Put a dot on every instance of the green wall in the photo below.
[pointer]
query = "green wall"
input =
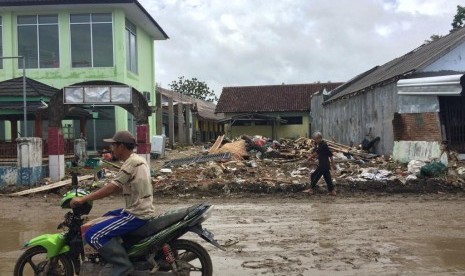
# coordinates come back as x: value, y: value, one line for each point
x: 65, y: 75
x: 283, y: 131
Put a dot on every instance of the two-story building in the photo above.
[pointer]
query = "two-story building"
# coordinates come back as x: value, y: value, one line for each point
x: 93, y: 50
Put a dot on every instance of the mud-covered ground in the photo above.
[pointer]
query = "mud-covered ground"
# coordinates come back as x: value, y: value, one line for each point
x: 299, y: 235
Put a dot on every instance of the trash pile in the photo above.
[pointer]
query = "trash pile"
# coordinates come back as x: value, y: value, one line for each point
x: 261, y: 164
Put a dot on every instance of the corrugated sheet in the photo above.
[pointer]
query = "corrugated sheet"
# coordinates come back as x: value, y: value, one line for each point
x: 349, y: 120
x: 398, y: 67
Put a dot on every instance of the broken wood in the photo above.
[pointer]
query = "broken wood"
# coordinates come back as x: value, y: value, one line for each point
x: 217, y: 144
x: 50, y: 186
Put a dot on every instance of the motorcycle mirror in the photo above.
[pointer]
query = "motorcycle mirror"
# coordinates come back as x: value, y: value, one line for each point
x: 74, y: 178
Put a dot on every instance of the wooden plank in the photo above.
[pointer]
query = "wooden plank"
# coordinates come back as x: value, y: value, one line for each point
x: 50, y: 186
x: 217, y: 144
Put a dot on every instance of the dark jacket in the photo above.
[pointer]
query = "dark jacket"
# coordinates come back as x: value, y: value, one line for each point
x: 324, y: 153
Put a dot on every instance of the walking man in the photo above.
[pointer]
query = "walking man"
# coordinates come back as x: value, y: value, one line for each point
x: 324, y: 155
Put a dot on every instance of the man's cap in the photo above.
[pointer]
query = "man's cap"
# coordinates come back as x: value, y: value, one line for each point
x: 123, y: 136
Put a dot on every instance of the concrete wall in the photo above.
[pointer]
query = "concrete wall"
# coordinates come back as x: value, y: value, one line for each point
x: 454, y: 61
x: 349, y: 120
x: 12, y: 175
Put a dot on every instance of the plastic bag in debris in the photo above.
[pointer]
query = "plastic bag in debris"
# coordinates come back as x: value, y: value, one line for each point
x: 415, y: 166
x: 433, y: 169
x: 340, y: 156
x: 375, y: 174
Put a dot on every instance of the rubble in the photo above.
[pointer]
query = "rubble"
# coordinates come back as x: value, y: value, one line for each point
x: 262, y: 165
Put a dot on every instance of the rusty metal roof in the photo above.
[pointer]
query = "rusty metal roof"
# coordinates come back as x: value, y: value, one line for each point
x: 400, y: 67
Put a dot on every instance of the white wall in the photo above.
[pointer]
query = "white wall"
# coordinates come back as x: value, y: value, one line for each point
x: 454, y: 61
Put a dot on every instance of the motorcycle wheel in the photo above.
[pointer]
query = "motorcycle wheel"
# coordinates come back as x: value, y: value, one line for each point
x: 34, y: 260
x: 193, y: 258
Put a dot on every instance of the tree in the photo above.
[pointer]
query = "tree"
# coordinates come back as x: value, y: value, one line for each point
x: 194, y: 88
x: 457, y: 22
x: 433, y: 38
x: 459, y: 18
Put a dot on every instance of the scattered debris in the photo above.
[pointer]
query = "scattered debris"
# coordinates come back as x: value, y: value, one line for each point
x: 166, y: 170
x: 259, y: 164
x: 198, y: 159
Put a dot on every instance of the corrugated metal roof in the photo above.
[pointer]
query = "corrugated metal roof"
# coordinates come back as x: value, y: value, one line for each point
x: 270, y: 98
x: 397, y: 68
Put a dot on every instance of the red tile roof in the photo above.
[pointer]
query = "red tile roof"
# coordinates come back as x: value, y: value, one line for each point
x: 270, y: 98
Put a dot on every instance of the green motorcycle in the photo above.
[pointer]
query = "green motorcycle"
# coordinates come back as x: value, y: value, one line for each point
x: 155, y: 249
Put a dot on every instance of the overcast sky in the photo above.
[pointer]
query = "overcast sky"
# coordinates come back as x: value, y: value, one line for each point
x: 256, y: 42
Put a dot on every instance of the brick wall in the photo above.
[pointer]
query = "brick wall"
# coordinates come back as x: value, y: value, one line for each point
x: 417, y: 127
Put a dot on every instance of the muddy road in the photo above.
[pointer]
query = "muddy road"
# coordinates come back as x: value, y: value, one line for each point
x: 357, y: 235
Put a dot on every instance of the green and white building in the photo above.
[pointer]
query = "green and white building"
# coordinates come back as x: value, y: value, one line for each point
x: 85, y: 44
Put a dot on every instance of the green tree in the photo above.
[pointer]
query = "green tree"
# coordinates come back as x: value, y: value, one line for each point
x: 194, y: 88
x: 457, y: 22
x: 459, y: 18
x: 433, y: 38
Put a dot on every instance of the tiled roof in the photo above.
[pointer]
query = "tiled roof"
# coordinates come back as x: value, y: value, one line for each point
x: 14, y: 88
x: 397, y: 68
x: 205, y: 109
x: 270, y: 98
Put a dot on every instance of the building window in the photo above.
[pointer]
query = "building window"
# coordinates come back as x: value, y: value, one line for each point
x: 241, y: 123
x: 38, y: 41
x: 131, y: 47
x: 91, y: 40
x: 292, y: 120
x: 1, y: 42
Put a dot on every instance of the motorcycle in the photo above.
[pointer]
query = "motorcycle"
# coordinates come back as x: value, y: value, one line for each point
x: 155, y: 249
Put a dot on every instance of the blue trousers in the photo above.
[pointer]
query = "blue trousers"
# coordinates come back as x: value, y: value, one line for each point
x: 99, y: 234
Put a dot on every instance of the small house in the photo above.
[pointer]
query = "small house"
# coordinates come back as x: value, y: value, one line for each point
x: 274, y: 111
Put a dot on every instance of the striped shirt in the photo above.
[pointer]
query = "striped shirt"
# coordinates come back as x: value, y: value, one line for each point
x: 134, y: 179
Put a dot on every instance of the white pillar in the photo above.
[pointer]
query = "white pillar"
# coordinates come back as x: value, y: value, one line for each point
x: 56, y: 165
x: 30, y: 160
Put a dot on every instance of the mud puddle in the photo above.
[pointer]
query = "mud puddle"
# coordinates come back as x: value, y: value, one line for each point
x: 393, y: 235
x: 13, y: 234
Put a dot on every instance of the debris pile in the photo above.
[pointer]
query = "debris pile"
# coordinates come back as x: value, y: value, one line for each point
x: 264, y: 165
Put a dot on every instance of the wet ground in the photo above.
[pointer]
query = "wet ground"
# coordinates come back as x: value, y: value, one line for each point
x: 356, y: 235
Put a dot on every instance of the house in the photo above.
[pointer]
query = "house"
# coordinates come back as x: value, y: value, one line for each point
x: 276, y: 111
x: 414, y: 102
x: 89, y: 67
x: 203, y: 125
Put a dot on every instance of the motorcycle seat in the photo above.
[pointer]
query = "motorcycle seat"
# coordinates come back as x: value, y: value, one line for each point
x: 159, y: 223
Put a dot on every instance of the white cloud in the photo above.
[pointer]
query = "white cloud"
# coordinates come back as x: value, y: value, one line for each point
x: 253, y: 42
x: 384, y: 30
x: 431, y: 7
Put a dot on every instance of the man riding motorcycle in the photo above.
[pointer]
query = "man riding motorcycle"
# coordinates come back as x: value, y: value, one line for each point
x: 133, y: 179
